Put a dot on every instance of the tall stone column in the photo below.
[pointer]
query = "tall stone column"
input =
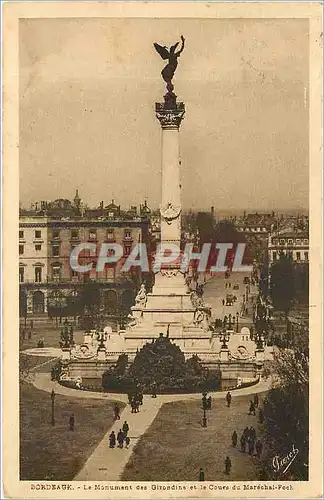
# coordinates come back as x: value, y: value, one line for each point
x: 170, y: 116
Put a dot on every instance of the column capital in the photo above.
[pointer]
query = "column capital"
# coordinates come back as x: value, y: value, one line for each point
x: 170, y: 117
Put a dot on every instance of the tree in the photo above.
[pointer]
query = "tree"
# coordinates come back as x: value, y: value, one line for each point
x: 282, y: 283
x: 90, y: 302
x: 289, y: 399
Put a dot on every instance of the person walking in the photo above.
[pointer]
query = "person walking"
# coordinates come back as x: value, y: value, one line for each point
x: 127, y: 442
x: 228, y: 399
x: 256, y: 400
x: 117, y: 411
x: 234, y: 439
x: 251, y: 445
x: 72, y: 422
x: 261, y: 416
x: 201, y: 474
x: 112, y: 440
x: 252, y: 408
x: 223, y: 302
x: 125, y: 428
x: 120, y: 438
x: 258, y: 448
x: 228, y: 465
x: 243, y: 443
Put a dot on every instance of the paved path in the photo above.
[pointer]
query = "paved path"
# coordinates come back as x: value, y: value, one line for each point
x: 106, y: 464
x: 43, y: 382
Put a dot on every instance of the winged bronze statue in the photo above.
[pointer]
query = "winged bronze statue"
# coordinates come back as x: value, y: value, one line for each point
x: 170, y: 54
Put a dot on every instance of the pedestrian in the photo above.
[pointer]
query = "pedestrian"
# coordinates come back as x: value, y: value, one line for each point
x: 258, y: 448
x: 229, y: 285
x: 228, y: 399
x: 234, y: 439
x: 154, y: 390
x: 226, y: 285
x: 228, y: 465
x: 253, y: 433
x: 251, y: 445
x: 261, y: 416
x: 23, y: 334
x: 140, y: 398
x: 29, y: 334
x: 246, y: 432
x: 72, y: 422
x: 125, y: 428
x: 31, y: 324
x: 120, y: 438
x: 252, y: 408
x: 112, y: 440
x: 133, y: 406
x: 243, y: 443
x: 127, y: 442
x: 256, y: 400
x: 117, y: 411
x: 201, y: 474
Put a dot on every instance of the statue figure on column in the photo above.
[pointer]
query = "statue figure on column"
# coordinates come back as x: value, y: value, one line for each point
x: 169, y: 70
x: 140, y: 299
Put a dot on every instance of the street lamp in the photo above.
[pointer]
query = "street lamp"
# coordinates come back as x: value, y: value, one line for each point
x: 237, y: 322
x: 53, y: 401
x: 204, y: 407
x: 224, y: 338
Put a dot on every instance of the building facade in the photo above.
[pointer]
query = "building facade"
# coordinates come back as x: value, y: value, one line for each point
x: 292, y: 243
x: 47, y: 235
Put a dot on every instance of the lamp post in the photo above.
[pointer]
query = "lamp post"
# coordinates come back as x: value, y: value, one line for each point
x: 204, y: 405
x: 53, y: 401
x: 237, y: 322
x: 224, y: 338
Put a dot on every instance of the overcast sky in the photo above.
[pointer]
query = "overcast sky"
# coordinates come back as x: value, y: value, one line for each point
x: 88, y: 88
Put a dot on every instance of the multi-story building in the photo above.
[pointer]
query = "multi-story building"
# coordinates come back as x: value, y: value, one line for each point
x: 259, y: 224
x: 293, y: 243
x: 47, y: 235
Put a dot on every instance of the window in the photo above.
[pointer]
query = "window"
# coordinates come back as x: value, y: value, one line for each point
x: 290, y: 242
x: 92, y: 234
x: 74, y: 233
x: 21, y: 274
x: 297, y: 242
x: 290, y: 254
x: 74, y: 273
x: 306, y: 241
x: 274, y: 241
x: 127, y: 250
x: 38, y: 234
x: 56, y: 233
x: 21, y: 249
x: 127, y: 235
x: 298, y: 255
x: 21, y: 234
x: 306, y: 255
x: 38, y: 247
x: 282, y: 242
x: 110, y: 234
x: 55, y: 251
x: 56, y: 272
x: 38, y: 274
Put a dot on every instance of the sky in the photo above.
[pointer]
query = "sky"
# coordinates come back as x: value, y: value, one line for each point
x: 87, y: 93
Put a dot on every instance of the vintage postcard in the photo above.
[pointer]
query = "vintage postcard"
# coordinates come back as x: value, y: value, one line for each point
x: 162, y: 250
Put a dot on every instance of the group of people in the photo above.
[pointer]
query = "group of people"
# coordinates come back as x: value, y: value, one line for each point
x: 135, y: 400
x: 248, y: 442
x: 121, y: 438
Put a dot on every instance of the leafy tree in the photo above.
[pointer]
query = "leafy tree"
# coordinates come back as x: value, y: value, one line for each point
x: 121, y: 365
x: 90, y: 302
x: 285, y: 411
x: 282, y: 283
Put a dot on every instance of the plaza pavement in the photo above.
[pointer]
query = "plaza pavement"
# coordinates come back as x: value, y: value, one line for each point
x: 106, y: 464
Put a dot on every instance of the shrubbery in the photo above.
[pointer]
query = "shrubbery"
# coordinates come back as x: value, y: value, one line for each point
x: 160, y: 365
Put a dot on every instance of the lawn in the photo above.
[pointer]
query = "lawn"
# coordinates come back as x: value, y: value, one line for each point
x: 176, y: 445
x: 54, y: 452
